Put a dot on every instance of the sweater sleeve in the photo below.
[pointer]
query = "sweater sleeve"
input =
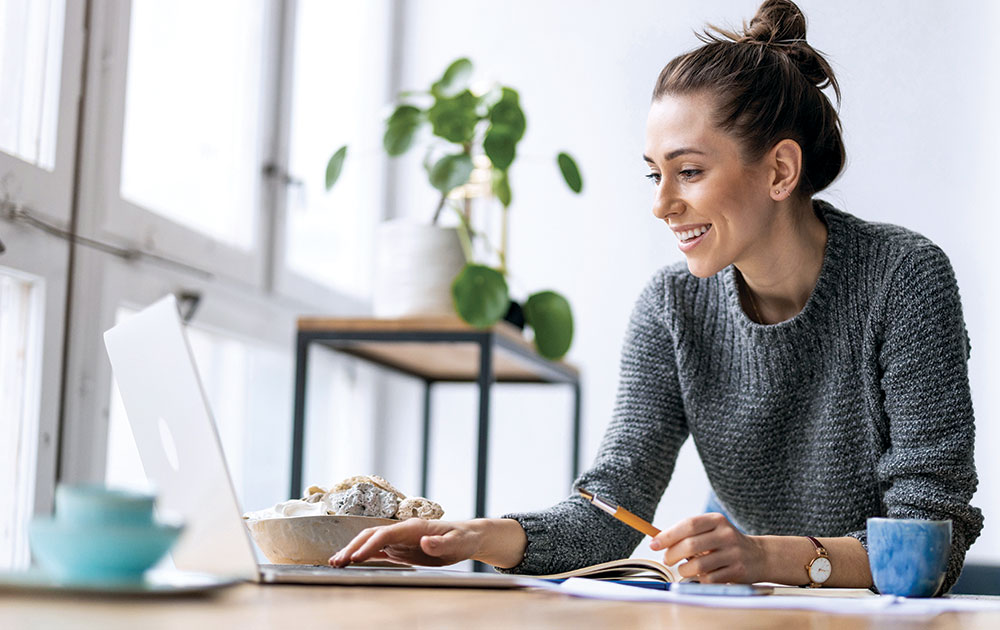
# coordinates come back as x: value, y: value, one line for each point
x: 926, y: 468
x: 635, y: 460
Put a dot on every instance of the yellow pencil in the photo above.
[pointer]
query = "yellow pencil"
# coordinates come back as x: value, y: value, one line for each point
x: 620, y: 513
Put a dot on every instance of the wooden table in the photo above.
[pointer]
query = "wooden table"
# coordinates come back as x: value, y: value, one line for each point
x: 433, y: 349
x: 249, y: 607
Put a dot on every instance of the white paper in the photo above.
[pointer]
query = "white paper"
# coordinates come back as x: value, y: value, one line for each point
x: 876, y: 604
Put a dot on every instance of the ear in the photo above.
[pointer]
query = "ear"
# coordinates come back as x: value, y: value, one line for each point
x: 785, y: 160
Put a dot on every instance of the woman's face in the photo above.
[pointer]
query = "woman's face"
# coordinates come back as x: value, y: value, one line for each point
x: 717, y: 206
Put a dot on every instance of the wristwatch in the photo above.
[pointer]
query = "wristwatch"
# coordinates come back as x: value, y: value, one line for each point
x: 819, y: 568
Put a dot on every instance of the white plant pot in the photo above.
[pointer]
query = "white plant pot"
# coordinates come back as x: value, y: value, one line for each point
x: 415, y: 265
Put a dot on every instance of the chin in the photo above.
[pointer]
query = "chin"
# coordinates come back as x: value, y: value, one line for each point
x: 702, y: 269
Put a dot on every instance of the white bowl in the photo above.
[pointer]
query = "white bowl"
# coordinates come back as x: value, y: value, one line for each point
x: 308, y: 539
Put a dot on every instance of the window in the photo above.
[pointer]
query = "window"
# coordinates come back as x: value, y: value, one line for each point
x: 31, y: 35
x: 184, y: 107
x: 337, y: 97
x: 191, y: 143
x: 20, y: 373
x: 40, y: 69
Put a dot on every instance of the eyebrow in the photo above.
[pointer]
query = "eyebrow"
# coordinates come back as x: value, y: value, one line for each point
x: 675, y: 154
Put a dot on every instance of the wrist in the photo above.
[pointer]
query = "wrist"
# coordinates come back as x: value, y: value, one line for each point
x: 766, y: 567
x: 500, y: 542
x: 785, y: 558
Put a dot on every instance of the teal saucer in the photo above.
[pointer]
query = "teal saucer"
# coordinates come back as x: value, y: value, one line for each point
x: 94, y: 553
x: 167, y: 583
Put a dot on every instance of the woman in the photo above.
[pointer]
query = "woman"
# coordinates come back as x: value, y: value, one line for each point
x: 817, y: 360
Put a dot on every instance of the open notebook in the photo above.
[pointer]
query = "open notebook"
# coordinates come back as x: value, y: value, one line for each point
x: 626, y: 569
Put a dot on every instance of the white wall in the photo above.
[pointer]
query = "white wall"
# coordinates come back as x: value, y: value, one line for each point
x: 918, y: 80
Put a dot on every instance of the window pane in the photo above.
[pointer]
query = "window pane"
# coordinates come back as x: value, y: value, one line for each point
x: 20, y: 372
x: 192, y: 114
x: 329, y: 235
x: 31, y: 34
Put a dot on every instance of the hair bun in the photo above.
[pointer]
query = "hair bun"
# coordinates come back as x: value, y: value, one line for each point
x: 781, y: 26
x: 777, y: 21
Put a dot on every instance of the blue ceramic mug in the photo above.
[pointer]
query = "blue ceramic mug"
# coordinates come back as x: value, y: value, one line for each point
x: 908, y: 557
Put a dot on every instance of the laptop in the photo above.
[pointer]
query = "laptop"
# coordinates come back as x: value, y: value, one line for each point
x: 182, y: 455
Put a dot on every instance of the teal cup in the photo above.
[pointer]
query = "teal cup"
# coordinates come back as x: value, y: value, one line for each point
x: 908, y: 557
x: 100, y: 534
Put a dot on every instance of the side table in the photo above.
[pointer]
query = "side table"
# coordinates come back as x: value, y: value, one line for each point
x: 434, y: 350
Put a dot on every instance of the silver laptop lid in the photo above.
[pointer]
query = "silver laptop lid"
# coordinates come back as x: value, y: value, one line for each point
x: 177, y: 440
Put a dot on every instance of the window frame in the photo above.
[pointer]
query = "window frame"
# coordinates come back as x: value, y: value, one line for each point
x: 252, y: 297
x: 48, y: 195
x: 130, y: 224
x: 284, y: 280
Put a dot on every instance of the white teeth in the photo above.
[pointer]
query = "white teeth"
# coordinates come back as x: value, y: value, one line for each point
x: 689, y: 234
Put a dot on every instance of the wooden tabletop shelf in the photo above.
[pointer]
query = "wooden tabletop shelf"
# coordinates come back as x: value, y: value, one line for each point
x: 444, y: 355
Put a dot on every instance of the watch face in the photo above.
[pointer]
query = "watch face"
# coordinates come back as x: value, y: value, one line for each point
x: 819, y: 570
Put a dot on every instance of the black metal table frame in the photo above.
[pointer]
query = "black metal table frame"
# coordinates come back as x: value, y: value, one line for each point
x: 487, y: 340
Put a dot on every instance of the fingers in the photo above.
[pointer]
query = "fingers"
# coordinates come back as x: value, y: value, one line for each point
x: 448, y: 546
x: 687, y: 528
x: 708, y: 564
x: 343, y: 557
x: 715, y: 550
x: 699, y: 545
x: 730, y: 570
x: 407, y: 533
x: 371, y: 541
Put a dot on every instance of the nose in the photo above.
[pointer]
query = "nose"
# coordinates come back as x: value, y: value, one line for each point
x: 665, y: 202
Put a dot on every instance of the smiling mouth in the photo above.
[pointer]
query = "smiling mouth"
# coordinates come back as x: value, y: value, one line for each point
x: 690, y: 235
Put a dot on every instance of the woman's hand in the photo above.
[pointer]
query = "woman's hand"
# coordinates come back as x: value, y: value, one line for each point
x: 413, y: 541
x: 714, y: 549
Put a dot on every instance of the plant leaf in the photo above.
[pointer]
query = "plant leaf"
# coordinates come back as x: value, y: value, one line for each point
x: 401, y: 128
x: 549, y: 315
x: 501, y: 186
x: 570, y: 172
x: 334, y: 166
x: 499, y: 146
x: 455, y: 79
x: 455, y: 118
x: 480, y: 295
x: 450, y: 172
x: 507, y: 113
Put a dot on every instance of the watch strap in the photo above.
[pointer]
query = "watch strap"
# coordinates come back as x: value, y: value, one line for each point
x: 820, y: 549
x: 821, y: 552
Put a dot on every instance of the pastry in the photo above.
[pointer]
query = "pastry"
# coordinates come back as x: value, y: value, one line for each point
x: 419, y: 507
x: 365, y: 499
x: 375, y: 480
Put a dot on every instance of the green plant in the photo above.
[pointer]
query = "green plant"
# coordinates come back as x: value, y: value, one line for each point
x: 475, y: 130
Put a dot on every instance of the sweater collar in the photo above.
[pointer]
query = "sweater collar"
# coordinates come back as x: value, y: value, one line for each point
x: 826, y: 283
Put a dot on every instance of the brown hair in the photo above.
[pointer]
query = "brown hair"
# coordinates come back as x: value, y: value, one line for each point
x: 766, y: 83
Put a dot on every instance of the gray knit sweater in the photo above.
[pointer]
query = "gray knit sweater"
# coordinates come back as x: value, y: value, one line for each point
x: 858, y: 406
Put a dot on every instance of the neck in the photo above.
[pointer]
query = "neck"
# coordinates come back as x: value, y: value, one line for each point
x: 781, y: 271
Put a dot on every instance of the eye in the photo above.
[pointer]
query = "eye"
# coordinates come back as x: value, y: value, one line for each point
x: 653, y: 177
x: 689, y: 173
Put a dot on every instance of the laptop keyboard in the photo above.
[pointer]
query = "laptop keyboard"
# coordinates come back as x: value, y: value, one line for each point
x: 323, y: 569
